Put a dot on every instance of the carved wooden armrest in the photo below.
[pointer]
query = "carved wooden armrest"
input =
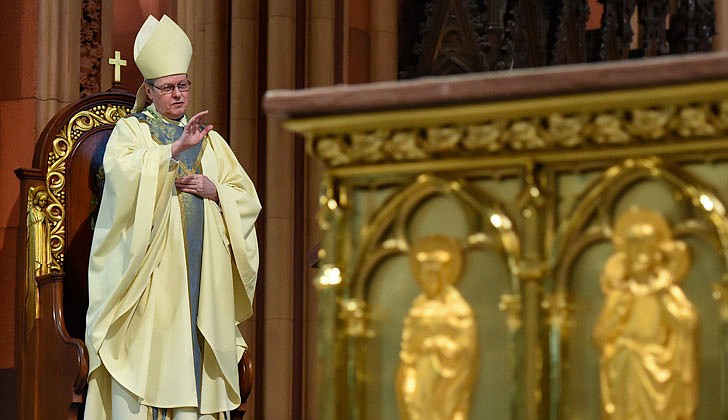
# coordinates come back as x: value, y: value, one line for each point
x: 246, y: 375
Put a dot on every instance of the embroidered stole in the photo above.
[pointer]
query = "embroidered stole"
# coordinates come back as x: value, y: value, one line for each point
x: 192, y: 213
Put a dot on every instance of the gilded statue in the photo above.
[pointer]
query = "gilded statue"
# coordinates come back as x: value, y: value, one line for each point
x: 646, y: 331
x: 437, y: 359
x: 39, y: 252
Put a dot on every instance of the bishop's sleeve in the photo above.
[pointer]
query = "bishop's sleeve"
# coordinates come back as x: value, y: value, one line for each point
x: 229, y: 274
x: 240, y: 208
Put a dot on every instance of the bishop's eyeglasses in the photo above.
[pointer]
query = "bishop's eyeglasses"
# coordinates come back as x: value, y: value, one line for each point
x: 182, y: 86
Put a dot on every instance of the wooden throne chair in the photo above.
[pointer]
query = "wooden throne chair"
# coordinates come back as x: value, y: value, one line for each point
x: 59, y: 198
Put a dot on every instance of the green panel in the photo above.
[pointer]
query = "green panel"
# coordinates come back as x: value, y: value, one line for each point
x: 705, y: 270
x: 439, y: 215
x: 364, y: 205
x: 392, y: 290
x: 653, y: 195
x: 570, y: 187
x: 581, y: 358
x: 714, y: 176
x: 485, y: 279
x: 504, y: 190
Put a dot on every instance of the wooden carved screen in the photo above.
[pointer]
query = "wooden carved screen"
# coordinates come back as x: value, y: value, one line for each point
x: 463, y: 36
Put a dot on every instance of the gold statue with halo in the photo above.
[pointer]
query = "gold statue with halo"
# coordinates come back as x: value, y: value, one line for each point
x: 38, y: 252
x: 646, y: 331
x: 437, y: 359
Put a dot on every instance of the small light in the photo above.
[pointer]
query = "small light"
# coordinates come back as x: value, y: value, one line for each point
x: 332, y: 204
x: 499, y: 221
x: 496, y: 220
x: 706, y: 202
x: 410, y: 384
x: 331, y: 276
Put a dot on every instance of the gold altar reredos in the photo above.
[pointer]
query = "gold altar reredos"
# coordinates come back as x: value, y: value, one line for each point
x: 531, y: 189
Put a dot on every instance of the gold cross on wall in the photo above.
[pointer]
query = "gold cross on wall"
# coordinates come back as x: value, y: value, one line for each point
x: 117, y: 62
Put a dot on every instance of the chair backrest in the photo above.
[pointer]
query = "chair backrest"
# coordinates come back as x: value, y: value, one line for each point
x: 70, y: 154
x: 53, y: 260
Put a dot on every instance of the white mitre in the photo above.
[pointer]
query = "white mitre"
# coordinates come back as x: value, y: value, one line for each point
x: 161, y: 48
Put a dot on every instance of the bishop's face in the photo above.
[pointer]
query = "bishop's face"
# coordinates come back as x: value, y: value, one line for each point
x: 172, y: 105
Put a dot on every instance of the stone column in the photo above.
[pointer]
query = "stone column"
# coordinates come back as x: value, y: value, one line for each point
x: 189, y: 19
x: 383, y: 32
x: 244, y: 83
x: 321, y: 66
x: 320, y: 43
x: 206, y: 24
x: 720, y: 41
x: 243, y: 118
x: 213, y: 64
x: 279, y: 216
x: 59, y: 32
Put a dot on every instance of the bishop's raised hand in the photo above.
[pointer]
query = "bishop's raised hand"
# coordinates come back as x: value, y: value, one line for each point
x: 193, y: 133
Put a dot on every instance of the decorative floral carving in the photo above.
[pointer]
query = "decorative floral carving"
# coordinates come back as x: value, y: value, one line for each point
x: 607, y: 128
x: 555, y: 131
x: 404, y: 145
x: 443, y: 139
x: 525, y: 134
x: 650, y: 124
x: 63, y: 144
x: 332, y: 150
x: 367, y: 147
x: 484, y: 136
x: 695, y: 121
x: 722, y: 115
x: 567, y: 130
x: 91, y: 49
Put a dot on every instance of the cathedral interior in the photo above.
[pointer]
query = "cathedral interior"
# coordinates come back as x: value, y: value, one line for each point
x: 501, y: 209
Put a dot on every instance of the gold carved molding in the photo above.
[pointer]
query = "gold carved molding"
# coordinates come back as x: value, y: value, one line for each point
x: 62, y: 146
x: 552, y: 132
x: 569, y: 123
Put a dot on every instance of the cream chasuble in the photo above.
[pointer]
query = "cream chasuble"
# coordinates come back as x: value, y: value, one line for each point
x: 138, y: 331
